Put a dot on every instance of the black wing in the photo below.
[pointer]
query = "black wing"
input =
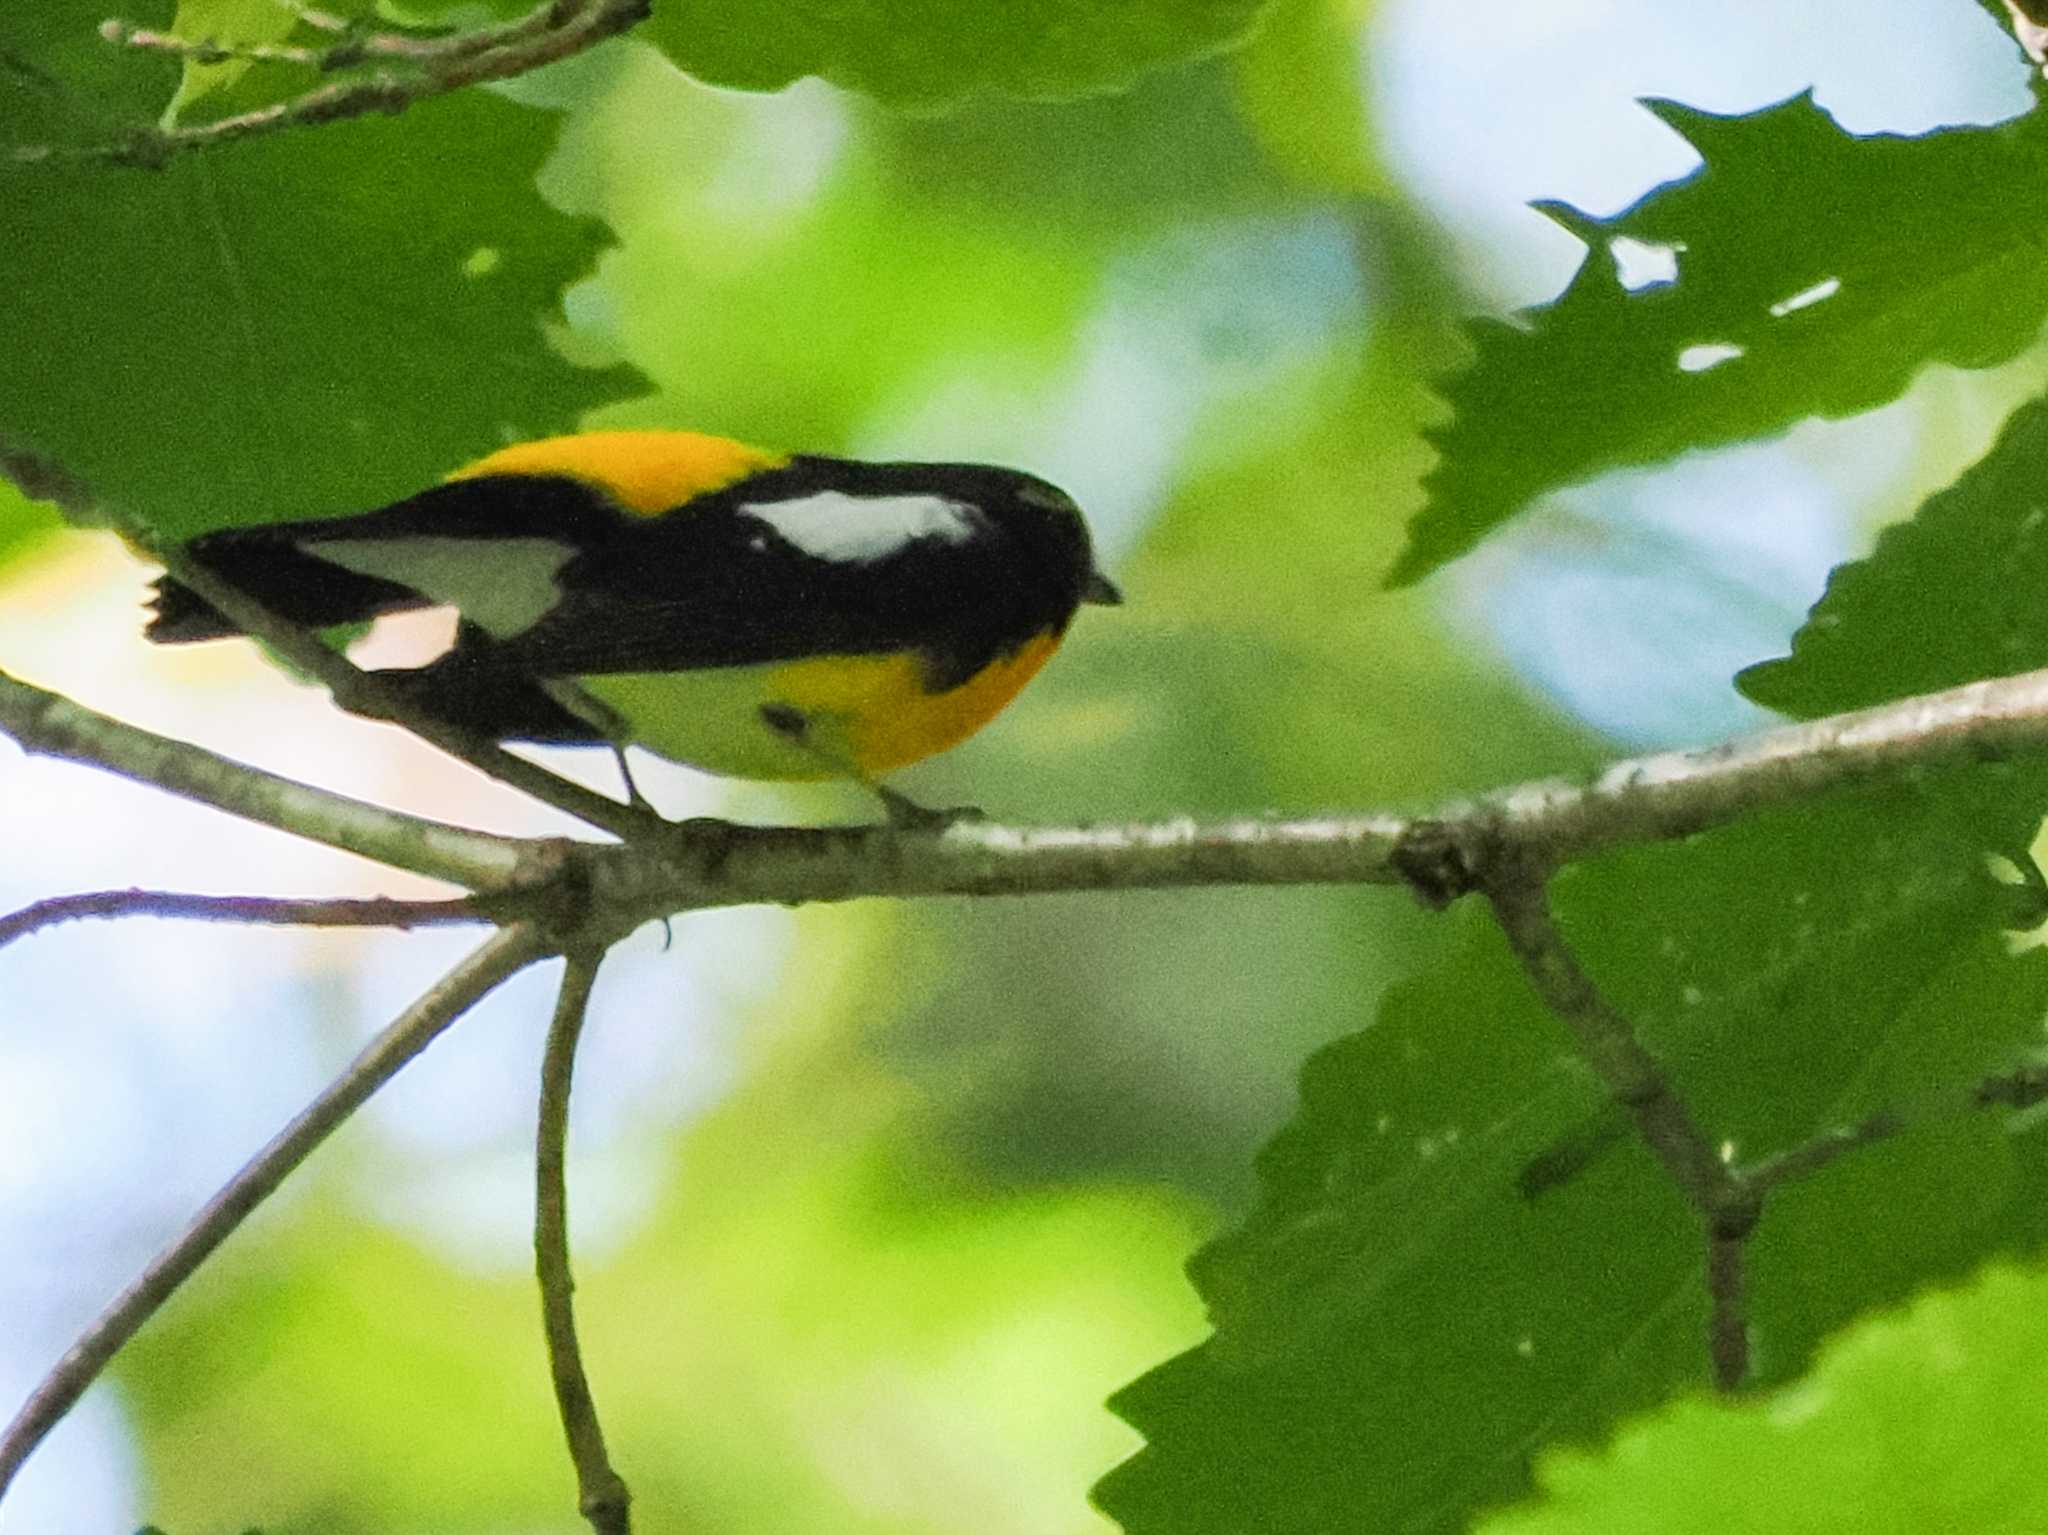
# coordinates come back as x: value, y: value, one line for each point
x: 273, y: 565
x: 720, y: 587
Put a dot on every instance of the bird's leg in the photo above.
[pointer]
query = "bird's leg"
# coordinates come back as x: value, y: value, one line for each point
x: 605, y: 720
x: 905, y: 813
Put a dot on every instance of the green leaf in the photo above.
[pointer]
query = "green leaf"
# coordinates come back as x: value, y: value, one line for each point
x: 1300, y: 90
x: 932, y: 53
x: 1397, y: 1327
x: 23, y: 523
x: 1929, y: 1419
x: 1823, y: 271
x: 311, y: 321
x: 1951, y: 596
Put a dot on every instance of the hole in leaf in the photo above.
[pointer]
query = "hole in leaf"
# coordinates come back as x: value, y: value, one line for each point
x: 1826, y: 288
x: 1639, y: 264
x: 1708, y: 354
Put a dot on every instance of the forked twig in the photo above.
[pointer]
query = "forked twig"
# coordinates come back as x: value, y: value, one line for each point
x: 1727, y: 1206
x: 417, y: 1027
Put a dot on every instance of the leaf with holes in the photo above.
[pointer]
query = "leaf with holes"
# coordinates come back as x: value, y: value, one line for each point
x: 1818, y: 272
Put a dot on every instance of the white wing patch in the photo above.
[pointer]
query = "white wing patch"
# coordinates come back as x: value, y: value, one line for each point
x: 831, y: 525
x: 502, y: 585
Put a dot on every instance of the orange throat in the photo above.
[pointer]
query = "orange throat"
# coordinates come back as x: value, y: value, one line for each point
x: 920, y: 724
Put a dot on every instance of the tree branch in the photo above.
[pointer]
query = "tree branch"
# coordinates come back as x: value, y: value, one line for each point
x: 414, y: 1029
x: 601, y: 1493
x: 1442, y: 854
x: 1609, y: 1044
x: 254, y: 910
x: 51, y: 725
x: 553, y: 31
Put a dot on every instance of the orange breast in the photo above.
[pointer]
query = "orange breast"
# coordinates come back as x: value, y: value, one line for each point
x: 881, y: 709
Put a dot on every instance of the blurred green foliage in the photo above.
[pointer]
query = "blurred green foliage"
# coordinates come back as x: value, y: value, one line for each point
x: 23, y: 523
x: 930, y: 53
x: 894, y: 1271
x: 1927, y: 1418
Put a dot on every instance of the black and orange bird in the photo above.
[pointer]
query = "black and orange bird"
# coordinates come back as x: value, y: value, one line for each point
x: 756, y: 614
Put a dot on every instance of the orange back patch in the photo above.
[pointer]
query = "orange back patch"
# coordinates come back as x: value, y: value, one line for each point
x: 645, y: 472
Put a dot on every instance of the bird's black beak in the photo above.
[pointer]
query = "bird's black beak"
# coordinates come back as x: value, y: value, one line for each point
x: 1101, y: 590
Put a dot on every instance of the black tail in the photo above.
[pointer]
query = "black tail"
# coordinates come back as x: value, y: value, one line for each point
x: 283, y: 577
x: 178, y: 614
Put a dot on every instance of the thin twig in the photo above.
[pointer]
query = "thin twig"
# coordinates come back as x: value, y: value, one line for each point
x: 2020, y: 1088
x: 551, y: 17
x: 357, y: 45
x: 253, y: 910
x: 418, y: 1026
x: 1829, y: 1146
x: 552, y: 32
x: 54, y: 726
x: 206, y: 50
x: 43, y: 479
x: 318, y: 20
x: 1728, y: 1307
x: 1727, y: 1209
x: 1609, y: 1044
x: 601, y: 1493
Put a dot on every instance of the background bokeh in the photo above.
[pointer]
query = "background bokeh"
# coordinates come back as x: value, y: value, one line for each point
x: 874, y: 1205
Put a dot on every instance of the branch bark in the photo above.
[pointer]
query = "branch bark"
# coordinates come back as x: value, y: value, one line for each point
x: 253, y: 910
x: 667, y: 869
x: 1441, y: 855
x: 54, y: 726
x: 553, y: 31
x: 601, y: 1492
x: 584, y: 896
